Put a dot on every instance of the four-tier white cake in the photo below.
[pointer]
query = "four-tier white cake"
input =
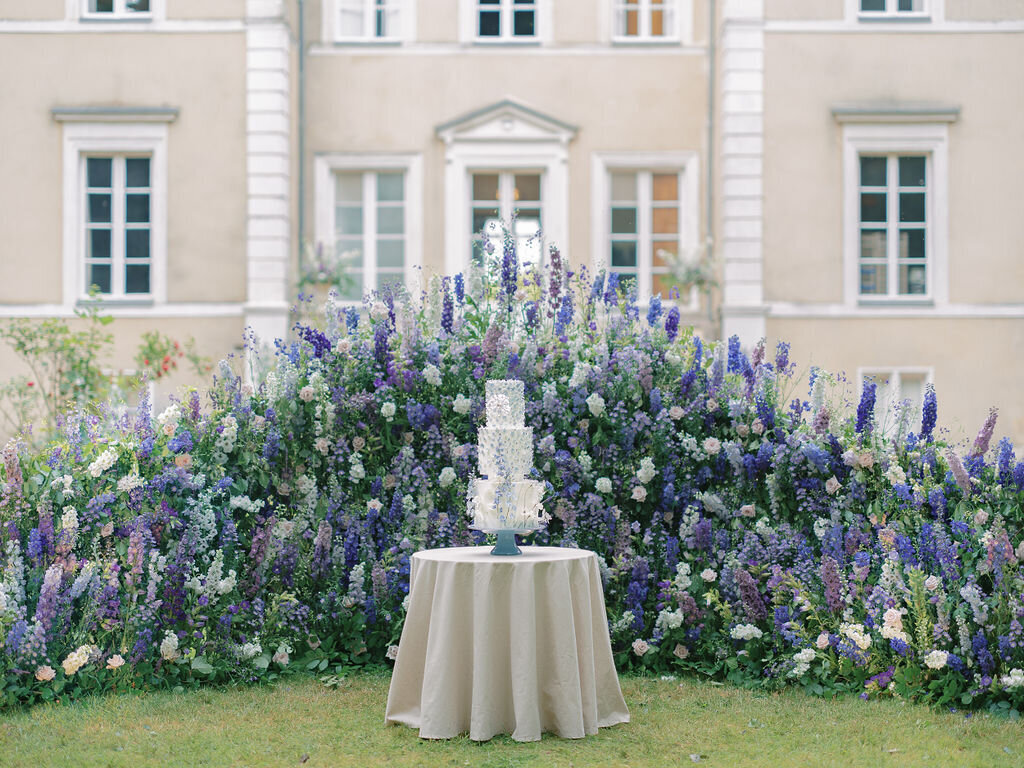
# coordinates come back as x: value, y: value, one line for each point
x: 502, y: 498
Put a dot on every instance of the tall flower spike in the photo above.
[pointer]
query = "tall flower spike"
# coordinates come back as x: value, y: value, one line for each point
x: 959, y: 473
x: 866, y: 408
x: 929, y: 413
x: 984, y: 434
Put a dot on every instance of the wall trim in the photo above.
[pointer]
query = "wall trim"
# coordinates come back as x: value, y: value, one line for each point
x: 147, y: 311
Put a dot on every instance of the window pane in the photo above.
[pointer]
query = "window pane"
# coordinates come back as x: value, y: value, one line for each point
x: 490, y: 24
x: 631, y: 22
x: 137, y: 208
x: 913, y: 279
x: 872, y: 279
x: 912, y: 171
x: 623, y: 187
x: 911, y: 206
x: 657, y: 22
x: 872, y: 5
x: 136, y: 244
x: 99, y: 244
x: 527, y: 187
x: 388, y: 278
x: 872, y: 206
x: 390, y: 221
x: 909, y: 5
x: 665, y: 186
x: 101, y: 6
x: 349, y: 188
x: 352, y: 288
x: 137, y: 172
x: 623, y: 220
x: 522, y: 23
x: 99, y: 208
x: 872, y: 171
x: 872, y: 244
x: 391, y: 253
x: 912, y: 389
x: 390, y: 186
x: 624, y: 254
x: 663, y: 251
x: 99, y: 275
x: 485, y: 186
x: 665, y: 284
x: 665, y: 220
x: 349, y: 220
x: 349, y: 252
x: 481, y: 216
x: 139, y: 6
x: 528, y: 222
x: 136, y: 278
x: 912, y: 244
x: 350, y: 21
x: 98, y: 171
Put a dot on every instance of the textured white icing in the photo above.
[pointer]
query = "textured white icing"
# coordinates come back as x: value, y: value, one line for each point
x: 501, y: 505
x: 505, y: 451
x: 505, y: 404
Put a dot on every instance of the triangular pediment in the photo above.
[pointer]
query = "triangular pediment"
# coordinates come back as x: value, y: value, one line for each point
x: 507, y: 120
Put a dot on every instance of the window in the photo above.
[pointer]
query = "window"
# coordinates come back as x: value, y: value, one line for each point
x: 645, y: 19
x: 118, y: 225
x: 645, y: 232
x: 368, y: 20
x: 506, y: 19
x: 368, y: 220
x: 115, y: 202
x: 509, y: 200
x: 895, y: 212
x: 116, y: 9
x: 893, y: 387
x: 893, y: 8
x: 893, y: 225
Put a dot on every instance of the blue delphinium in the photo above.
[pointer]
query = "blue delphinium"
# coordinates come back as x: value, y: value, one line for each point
x: 866, y: 408
x: 460, y: 288
x: 672, y: 324
x: 654, y: 310
x: 929, y: 413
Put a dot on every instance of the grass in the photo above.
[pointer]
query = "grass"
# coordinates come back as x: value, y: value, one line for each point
x: 303, y: 723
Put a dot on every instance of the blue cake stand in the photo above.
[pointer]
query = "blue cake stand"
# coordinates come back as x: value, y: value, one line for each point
x: 506, y: 539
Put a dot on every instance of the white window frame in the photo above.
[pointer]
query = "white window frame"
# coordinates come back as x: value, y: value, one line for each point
x: 679, y: 30
x: 931, y: 140
x: 120, y: 13
x: 894, y: 375
x: 83, y: 139
x: 405, y: 22
x: 932, y: 11
x: 507, y: 204
x: 324, y: 169
x: 469, y: 29
x: 686, y: 164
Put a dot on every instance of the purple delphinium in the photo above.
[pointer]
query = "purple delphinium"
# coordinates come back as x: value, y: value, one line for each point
x: 460, y: 288
x: 734, y: 364
x: 866, y: 408
x: 672, y: 324
x: 447, y: 307
x: 959, y: 473
x: 654, y: 310
x: 750, y: 596
x: 509, y: 267
x: 1004, y: 461
x: 611, y: 289
x: 929, y: 413
x: 832, y: 581
x: 565, y: 313
x: 984, y: 437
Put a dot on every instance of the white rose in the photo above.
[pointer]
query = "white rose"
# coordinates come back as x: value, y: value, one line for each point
x: 344, y: 346
x: 757, y: 426
x: 447, y: 477
x: 932, y: 583
x: 742, y: 430
x: 675, y: 413
x: 708, y: 575
x: 822, y: 641
x: 832, y: 485
x: 603, y: 485
x: 321, y: 445
x: 712, y: 445
x: 306, y: 394
x: 640, y: 647
x: 639, y: 493
x: 936, y: 659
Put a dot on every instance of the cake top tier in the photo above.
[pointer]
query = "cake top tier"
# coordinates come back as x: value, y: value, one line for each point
x: 505, y: 405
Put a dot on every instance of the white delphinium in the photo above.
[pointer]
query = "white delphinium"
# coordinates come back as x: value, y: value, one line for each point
x: 580, y: 372
x: 596, y: 404
x: 129, y: 483
x: 249, y: 650
x: 668, y: 620
x: 822, y: 525
x: 225, y: 442
x: 12, y: 586
x: 745, y: 632
x: 895, y: 475
x: 307, y: 490
x: 169, y: 646
x: 682, y: 580
x: 647, y: 471
x: 356, y: 595
x: 83, y: 581
x: 461, y: 404
x: 103, y: 462
x: 378, y: 310
x: 936, y: 659
x: 586, y: 463
x: 432, y: 375
x: 69, y: 520
x: 252, y: 506
x: 857, y: 634
x: 803, y: 661
x: 356, y: 471
x: 623, y: 623
x: 447, y: 477
x: 388, y: 411
x: 1013, y: 680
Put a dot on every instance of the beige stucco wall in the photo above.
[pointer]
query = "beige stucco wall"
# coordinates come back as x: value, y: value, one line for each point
x: 968, y: 356
x: 621, y: 102
x: 806, y: 74
x: 203, y: 76
x: 984, y: 10
x: 803, y: 10
x: 36, y: 10
x: 205, y: 9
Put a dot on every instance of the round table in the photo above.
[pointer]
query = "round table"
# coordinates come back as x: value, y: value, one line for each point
x: 513, y: 645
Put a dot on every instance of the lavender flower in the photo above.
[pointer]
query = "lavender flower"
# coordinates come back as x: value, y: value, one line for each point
x: 959, y: 473
x: 984, y: 435
x: 751, y: 598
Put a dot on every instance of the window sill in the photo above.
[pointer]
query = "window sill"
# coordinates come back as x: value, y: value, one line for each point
x: 890, y: 302
x: 85, y: 302
x: 500, y: 42
x: 366, y: 42
x: 142, y: 18
x: 894, y: 18
x: 647, y: 42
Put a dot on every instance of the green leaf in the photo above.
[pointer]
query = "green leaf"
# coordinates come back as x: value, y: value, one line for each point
x: 261, y: 662
x: 201, y: 666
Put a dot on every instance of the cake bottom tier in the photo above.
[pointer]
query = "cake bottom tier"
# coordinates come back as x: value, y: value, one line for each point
x: 496, y: 504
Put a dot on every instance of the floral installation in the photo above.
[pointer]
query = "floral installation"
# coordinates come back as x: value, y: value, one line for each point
x: 743, y: 532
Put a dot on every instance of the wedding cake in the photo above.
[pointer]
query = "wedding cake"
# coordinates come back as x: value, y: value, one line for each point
x: 502, y: 498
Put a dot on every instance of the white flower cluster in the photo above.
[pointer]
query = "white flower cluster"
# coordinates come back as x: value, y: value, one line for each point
x: 745, y: 632
x: 682, y: 580
x: 802, y: 661
x: 936, y: 659
x: 356, y: 471
x: 169, y: 419
x: 822, y: 525
x: 462, y: 404
x: 129, y: 483
x: 647, y: 471
x: 77, y: 659
x: 1013, y: 680
x: 306, y: 487
x: 623, y: 623
x: 668, y: 620
x: 245, y: 503
x: 225, y: 442
x: 69, y: 519
x: 65, y: 482
x: 895, y: 475
x: 12, y: 586
x: 586, y: 463
x: 892, y: 625
x: 215, y: 583
x: 169, y: 646
x: 447, y: 477
x: 857, y: 634
x: 432, y: 375
x: 603, y: 485
x: 248, y: 651
x: 356, y: 593
x: 580, y: 372
x: 596, y: 404
x: 103, y: 462
x: 388, y: 411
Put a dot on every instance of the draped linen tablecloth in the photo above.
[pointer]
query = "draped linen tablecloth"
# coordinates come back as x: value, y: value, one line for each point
x: 505, y: 645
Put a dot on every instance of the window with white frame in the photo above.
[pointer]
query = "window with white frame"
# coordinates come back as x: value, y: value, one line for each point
x: 645, y: 228
x: 117, y: 9
x: 638, y: 20
x: 895, y: 213
x: 893, y: 9
x: 118, y: 225
x: 893, y: 225
x: 368, y: 20
x: 897, y: 389
x: 507, y: 202
x: 115, y: 206
x: 506, y: 19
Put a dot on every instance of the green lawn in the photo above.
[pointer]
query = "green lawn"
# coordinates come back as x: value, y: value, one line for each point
x: 301, y: 722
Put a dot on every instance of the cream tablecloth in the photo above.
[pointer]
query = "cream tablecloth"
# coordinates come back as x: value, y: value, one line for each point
x: 505, y: 645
